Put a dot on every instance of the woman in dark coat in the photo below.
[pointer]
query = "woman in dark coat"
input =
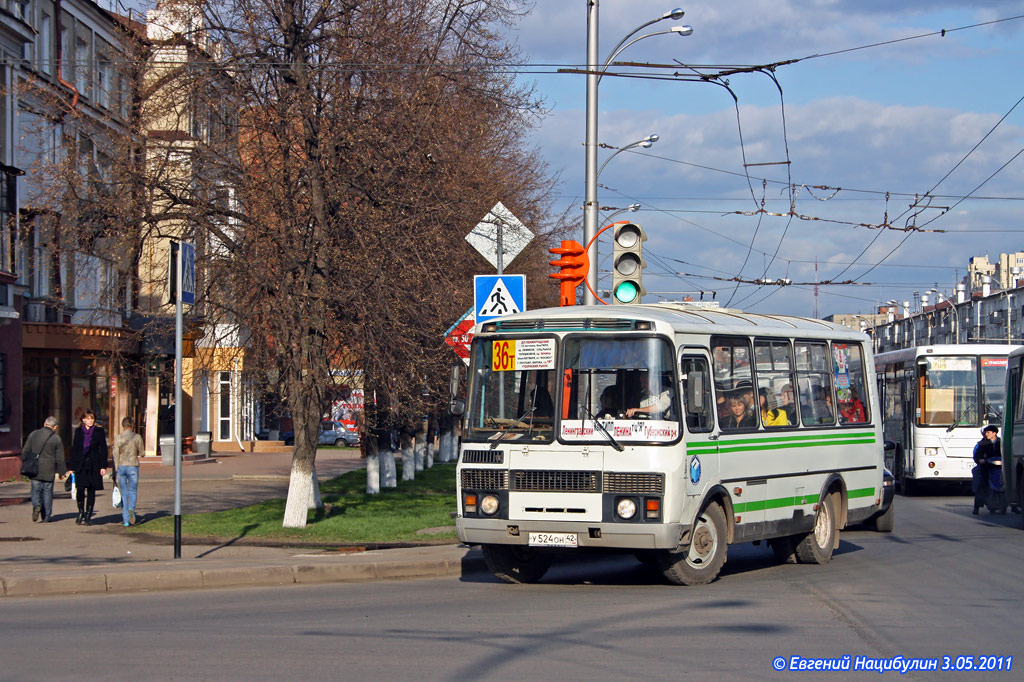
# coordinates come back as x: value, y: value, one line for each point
x: 89, y: 462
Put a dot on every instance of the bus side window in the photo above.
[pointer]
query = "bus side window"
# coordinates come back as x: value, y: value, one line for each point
x: 696, y: 394
x: 1015, y: 383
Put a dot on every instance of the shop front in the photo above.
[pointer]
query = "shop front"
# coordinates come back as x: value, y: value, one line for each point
x: 69, y: 369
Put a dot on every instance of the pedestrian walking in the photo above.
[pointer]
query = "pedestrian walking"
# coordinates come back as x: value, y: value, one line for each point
x: 128, y: 448
x: 988, y: 474
x: 45, y: 444
x: 89, y: 462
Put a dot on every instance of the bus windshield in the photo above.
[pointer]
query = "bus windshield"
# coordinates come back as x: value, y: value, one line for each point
x: 512, y: 390
x: 993, y: 375
x: 949, y: 391
x: 615, y: 379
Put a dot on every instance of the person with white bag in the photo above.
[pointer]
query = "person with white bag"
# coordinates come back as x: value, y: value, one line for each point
x: 128, y: 447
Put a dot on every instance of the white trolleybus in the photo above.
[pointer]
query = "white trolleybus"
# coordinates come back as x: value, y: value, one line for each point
x: 935, y: 399
x: 667, y: 431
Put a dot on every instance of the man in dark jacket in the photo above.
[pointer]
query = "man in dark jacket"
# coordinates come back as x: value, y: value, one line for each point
x: 47, y: 444
x: 989, y: 457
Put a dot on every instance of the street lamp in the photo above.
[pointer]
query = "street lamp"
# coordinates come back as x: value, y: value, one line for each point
x: 645, y: 143
x: 632, y: 208
x: 595, y: 70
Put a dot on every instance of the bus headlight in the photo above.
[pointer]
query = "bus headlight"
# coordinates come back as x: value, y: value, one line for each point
x: 931, y: 452
x: 625, y: 508
x: 489, y: 504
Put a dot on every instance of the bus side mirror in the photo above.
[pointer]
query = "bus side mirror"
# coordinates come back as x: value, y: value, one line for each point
x: 695, y: 392
x: 456, y: 405
x: 889, y: 446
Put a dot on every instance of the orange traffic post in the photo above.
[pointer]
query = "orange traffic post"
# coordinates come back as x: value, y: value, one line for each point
x: 574, y: 264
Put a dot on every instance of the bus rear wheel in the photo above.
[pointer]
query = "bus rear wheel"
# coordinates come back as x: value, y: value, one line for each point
x: 516, y: 564
x: 700, y: 562
x: 816, y: 547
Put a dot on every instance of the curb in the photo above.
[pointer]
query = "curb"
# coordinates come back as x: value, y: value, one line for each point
x: 122, y: 581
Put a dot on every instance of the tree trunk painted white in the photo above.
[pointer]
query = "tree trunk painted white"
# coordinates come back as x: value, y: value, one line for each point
x: 421, y: 445
x: 446, y: 435
x: 428, y: 459
x: 388, y: 468
x: 300, y: 497
x: 316, y: 502
x: 372, y: 466
x: 408, y: 458
x: 453, y: 441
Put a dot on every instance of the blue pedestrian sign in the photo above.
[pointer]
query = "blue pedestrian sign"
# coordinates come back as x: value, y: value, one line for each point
x: 188, y: 273
x: 497, y: 295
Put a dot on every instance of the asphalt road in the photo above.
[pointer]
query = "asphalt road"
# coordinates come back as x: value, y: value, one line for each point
x: 945, y: 583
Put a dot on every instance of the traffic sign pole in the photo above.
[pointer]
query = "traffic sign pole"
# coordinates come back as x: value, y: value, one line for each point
x: 177, y: 404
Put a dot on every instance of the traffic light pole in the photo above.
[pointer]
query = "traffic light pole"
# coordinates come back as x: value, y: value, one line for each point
x: 590, y: 200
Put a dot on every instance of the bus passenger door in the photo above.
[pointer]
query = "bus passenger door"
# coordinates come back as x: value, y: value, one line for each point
x: 700, y: 464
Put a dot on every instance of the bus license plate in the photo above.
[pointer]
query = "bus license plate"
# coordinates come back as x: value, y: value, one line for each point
x: 553, y: 540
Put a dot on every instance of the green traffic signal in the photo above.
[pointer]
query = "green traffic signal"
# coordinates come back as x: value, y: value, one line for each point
x: 626, y: 292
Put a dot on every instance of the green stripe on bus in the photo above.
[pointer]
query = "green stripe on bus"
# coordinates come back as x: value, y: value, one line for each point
x: 777, y: 503
x: 861, y: 492
x: 784, y: 446
x: 802, y: 501
x: 791, y: 438
x: 730, y: 447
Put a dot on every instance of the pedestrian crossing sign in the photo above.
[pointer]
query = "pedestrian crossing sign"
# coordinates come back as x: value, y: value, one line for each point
x: 497, y: 295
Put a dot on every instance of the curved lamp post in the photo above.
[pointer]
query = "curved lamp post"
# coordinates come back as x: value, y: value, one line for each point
x: 595, y: 70
x: 645, y: 143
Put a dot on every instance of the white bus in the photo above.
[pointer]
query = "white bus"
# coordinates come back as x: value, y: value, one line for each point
x: 935, y: 399
x: 636, y: 428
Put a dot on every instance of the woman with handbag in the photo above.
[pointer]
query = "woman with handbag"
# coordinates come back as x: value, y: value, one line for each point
x: 89, y: 462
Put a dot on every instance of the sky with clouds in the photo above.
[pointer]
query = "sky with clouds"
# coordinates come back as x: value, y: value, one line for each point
x: 883, y: 123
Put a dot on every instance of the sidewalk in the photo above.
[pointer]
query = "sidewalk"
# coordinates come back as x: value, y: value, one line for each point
x: 64, y: 558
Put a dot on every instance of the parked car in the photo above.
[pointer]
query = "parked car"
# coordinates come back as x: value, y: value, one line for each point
x: 336, y: 433
x: 884, y: 520
x: 331, y: 433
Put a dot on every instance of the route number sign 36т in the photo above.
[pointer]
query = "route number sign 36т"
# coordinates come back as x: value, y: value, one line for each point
x: 503, y: 356
x: 509, y: 355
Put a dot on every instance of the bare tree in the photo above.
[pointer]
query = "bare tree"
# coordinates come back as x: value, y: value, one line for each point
x: 329, y: 157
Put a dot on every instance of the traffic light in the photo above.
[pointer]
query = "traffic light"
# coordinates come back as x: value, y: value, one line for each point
x: 628, y: 263
x: 573, y: 265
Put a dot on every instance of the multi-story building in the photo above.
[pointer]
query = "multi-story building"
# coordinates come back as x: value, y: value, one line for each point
x: 184, y: 117
x: 67, y: 111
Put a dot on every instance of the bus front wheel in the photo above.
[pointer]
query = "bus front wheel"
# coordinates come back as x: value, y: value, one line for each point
x: 516, y: 564
x: 699, y: 562
x: 816, y: 547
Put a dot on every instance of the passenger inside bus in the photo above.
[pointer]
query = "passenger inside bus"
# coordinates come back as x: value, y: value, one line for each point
x: 771, y: 416
x: 653, y: 406
x: 609, y: 403
x: 738, y: 417
x: 852, y: 411
x: 786, y: 403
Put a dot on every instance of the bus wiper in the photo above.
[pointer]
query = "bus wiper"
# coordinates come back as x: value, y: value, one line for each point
x: 600, y: 427
x: 521, y: 419
x: 956, y: 422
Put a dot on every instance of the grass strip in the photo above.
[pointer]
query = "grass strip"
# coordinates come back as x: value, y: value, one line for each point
x: 395, y: 515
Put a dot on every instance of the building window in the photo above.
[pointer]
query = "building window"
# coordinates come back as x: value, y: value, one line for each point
x: 45, y: 41
x: 83, y: 61
x: 224, y: 405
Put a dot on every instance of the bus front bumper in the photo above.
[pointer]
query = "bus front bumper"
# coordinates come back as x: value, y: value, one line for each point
x: 474, y: 531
